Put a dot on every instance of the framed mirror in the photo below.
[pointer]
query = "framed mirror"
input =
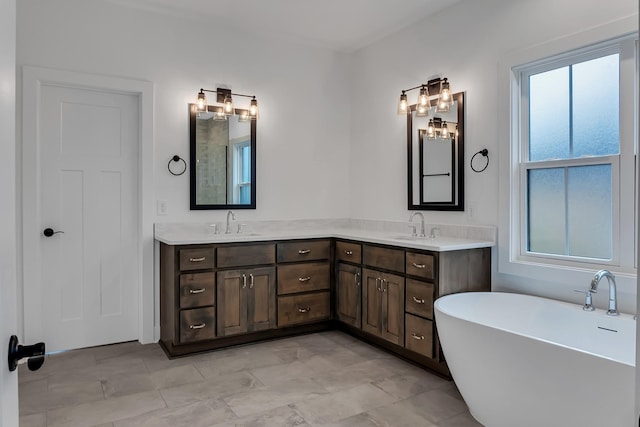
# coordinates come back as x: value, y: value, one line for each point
x: 222, y: 160
x: 435, y: 147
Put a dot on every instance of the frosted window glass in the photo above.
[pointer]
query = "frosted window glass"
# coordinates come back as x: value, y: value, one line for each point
x: 245, y: 195
x: 546, y: 213
x: 595, y: 107
x: 549, y: 134
x: 246, y: 164
x: 590, y: 211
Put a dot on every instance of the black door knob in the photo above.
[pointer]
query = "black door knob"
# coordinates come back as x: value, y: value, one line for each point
x: 48, y: 232
x: 34, y: 353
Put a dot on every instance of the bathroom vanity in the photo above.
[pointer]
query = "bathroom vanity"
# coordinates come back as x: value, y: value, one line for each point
x: 221, y: 290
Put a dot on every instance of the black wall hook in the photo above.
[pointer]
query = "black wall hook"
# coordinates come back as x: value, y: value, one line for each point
x: 177, y: 159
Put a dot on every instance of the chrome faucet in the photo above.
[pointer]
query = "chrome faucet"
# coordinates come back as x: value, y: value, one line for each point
x: 421, y: 222
x: 233, y: 216
x: 613, y: 302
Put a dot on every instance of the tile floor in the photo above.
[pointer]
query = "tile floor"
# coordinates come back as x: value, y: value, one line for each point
x: 324, y: 379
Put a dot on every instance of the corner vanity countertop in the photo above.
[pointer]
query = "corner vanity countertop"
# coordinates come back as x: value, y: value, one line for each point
x: 190, y: 234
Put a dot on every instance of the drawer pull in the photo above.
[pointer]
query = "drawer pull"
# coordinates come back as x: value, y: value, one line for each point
x: 418, y: 265
x: 304, y: 251
x: 197, y: 259
x: 304, y: 279
x: 356, y: 279
x: 416, y: 336
x: 197, y: 291
x: 252, y: 281
x: 346, y: 252
x: 419, y: 301
x: 200, y: 326
x: 304, y: 309
x: 244, y: 281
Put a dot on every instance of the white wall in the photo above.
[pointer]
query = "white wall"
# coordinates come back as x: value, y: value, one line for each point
x: 464, y: 43
x: 8, y: 309
x: 303, y: 134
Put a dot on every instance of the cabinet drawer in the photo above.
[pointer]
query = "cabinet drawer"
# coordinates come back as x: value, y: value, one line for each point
x: 197, y: 324
x: 303, y: 250
x: 305, y: 277
x: 350, y: 252
x: 386, y: 258
x: 420, y: 265
x: 305, y: 308
x: 419, y: 298
x: 419, y: 335
x: 238, y: 256
x: 196, y: 259
x: 197, y: 289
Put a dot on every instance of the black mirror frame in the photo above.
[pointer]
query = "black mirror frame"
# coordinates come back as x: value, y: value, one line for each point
x: 192, y: 168
x: 459, y: 162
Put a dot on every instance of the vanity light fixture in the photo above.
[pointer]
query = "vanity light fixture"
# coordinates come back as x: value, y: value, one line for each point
x: 225, y: 97
x: 438, y: 129
x: 435, y: 87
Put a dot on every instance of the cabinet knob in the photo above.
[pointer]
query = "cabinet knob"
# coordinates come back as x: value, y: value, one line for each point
x: 346, y: 252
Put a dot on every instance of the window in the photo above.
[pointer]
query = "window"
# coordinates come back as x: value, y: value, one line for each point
x: 572, y: 198
x: 572, y: 150
x: 242, y: 172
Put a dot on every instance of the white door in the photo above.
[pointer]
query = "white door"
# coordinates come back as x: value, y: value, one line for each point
x: 87, y: 190
x: 8, y: 309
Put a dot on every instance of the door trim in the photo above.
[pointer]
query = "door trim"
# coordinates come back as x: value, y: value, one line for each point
x: 32, y: 80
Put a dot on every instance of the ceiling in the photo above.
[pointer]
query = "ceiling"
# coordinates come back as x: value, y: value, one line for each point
x: 341, y: 25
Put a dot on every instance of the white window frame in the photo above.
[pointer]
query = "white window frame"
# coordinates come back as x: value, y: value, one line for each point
x: 512, y: 259
x: 525, y: 165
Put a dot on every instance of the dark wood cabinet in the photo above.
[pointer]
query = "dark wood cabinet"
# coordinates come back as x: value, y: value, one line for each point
x: 217, y: 295
x: 304, y: 281
x: 349, y: 294
x: 383, y: 305
x: 246, y: 300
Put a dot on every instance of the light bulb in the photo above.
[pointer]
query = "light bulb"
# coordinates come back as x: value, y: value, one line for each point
x: 228, y: 106
x: 201, y: 102
x: 423, y: 98
x: 431, y: 132
x: 444, y: 131
x: 403, y: 107
x: 253, y: 109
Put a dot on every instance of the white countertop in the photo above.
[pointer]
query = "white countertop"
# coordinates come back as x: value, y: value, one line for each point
x: 188, y: 234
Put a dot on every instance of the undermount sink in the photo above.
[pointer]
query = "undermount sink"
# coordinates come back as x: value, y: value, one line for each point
x: 405, y: 237
x: 237, y: 235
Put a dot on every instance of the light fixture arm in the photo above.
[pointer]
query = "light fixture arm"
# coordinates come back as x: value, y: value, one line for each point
x: 433, y: 85
x: 222, y: 91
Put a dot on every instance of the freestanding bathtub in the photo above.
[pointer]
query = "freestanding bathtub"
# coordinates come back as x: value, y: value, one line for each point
x: 522, y: 361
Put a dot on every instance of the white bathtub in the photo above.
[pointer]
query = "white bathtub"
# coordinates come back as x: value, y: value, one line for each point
x: 521, y: 361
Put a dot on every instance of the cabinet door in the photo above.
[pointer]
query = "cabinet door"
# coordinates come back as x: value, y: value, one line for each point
x: 349, y: 301
x: 392, y: 325
x: 371, y: 307
x: 261, y: 298
x: 232, y: 302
